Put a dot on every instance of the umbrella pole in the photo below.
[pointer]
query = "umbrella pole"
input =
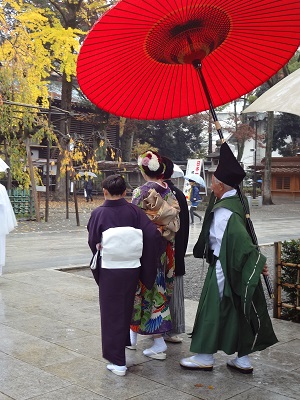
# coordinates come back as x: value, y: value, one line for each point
x: 197, y: 65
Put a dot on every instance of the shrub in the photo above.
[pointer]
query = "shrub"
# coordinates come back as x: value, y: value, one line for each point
x: 290, y: 253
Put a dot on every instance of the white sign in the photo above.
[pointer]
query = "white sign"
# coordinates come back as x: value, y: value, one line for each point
x: 40, y: 188
x: 194, y: 166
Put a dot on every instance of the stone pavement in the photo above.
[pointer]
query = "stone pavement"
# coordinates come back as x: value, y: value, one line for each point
x: 50, y: 336
x: 66, y: 243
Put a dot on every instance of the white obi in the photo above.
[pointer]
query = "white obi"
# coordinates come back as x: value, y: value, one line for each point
x: 121, y: 247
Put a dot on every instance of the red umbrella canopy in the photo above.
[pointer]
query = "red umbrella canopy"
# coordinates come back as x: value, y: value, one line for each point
x: 136, y: 62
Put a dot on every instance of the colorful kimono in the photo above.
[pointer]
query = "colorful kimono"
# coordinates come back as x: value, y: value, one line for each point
x: 118, y: 277
x: 151, y: 307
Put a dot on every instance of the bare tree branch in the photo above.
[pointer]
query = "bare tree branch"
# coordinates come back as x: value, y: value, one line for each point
x: 59, y: 9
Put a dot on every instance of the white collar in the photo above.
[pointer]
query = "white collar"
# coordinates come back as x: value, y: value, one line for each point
x: 230, y: 193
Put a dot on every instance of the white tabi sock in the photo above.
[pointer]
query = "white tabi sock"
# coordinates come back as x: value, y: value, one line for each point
x: 204, y: 359
x: 133, y: 338
x: 243, y: 362
x: 159, y: 345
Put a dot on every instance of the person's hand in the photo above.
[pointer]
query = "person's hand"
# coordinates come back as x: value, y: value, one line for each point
x: 265, y: 270
x: 98, y: 246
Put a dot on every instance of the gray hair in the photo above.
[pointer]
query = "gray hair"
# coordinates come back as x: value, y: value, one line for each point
x: 226, y: 187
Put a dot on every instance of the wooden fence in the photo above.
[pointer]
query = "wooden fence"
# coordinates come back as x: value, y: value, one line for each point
x: 280, y: 284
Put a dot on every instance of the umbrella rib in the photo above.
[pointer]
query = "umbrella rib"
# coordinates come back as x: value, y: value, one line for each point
x: 135, y: 61
x: 133, y: 87
x: 164, y: 77
x: 205, y: 67
x: 235, y: 59
x: 165, y: 83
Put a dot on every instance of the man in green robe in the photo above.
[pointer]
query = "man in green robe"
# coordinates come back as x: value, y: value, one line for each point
x: 232, y: 313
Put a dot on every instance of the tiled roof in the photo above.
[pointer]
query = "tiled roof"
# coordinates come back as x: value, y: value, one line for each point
x: 283, y: 165
x: 284, y: 161
x: 117, y: 166
x: 280, y: 170
x: 285, y: 170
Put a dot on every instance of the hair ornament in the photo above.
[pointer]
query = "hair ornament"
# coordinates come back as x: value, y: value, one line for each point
x: 150, y: 160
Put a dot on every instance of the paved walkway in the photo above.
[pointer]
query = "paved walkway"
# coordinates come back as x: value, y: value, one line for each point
x: 50, y: 335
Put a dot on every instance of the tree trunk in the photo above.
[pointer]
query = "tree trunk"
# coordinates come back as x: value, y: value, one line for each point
x: 241, y: 147
x: 267, y: 196
x: 126, y: 143
x: 66, y: 98
x: 32, y: 180
x: 6, y: 159
x: 240, y: 144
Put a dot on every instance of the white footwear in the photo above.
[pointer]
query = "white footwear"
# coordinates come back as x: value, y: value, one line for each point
x: 188, y: 363
x: 152, y: 354
x: 132, y: 347
x: 173, y: 339
x: 157, y: 350
x: 191, y: 363
x: 116, y: 369
x: 238, y: 365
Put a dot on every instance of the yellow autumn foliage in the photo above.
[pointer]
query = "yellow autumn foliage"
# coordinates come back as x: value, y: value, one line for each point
x: 35, y: 40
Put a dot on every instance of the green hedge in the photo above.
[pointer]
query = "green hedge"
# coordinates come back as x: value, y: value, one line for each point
x: 290, y: 253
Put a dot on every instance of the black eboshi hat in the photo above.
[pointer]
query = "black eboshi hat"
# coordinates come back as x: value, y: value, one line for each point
x: 229, y: 170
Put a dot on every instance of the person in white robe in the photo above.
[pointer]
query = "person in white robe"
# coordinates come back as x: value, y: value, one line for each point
x: 8, y: 222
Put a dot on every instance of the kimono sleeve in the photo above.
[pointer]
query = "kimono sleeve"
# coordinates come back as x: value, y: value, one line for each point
x: 244, y: 262
x: 94, y: 228
x: 152, y: 243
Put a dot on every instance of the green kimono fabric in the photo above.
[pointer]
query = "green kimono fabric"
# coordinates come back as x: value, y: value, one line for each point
x: 240, y: 321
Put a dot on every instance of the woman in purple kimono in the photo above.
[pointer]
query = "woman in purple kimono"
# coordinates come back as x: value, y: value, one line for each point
x: 128, y: 243
x: 151, y: 308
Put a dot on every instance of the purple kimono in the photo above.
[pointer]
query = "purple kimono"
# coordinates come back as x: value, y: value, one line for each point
x: 117, y: 286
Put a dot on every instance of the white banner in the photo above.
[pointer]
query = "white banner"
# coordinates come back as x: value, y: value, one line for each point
x: 194, y: 166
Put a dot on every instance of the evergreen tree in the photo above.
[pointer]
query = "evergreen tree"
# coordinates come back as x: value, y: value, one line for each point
x: 287, y: 134
x: 178, y: 139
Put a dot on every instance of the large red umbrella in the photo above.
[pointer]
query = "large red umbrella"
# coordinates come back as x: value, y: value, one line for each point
x: 164, y: 59
x: 139, y: 59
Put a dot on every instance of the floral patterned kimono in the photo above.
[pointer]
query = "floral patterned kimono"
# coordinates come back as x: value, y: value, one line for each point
x: 151, y: 314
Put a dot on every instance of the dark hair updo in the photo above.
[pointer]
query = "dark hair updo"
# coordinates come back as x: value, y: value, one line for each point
x: 151, y: 164
x: 169, y: 167
x: 114, y: 184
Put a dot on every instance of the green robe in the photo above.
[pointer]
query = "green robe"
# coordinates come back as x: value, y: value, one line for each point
x: 240, y: 321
